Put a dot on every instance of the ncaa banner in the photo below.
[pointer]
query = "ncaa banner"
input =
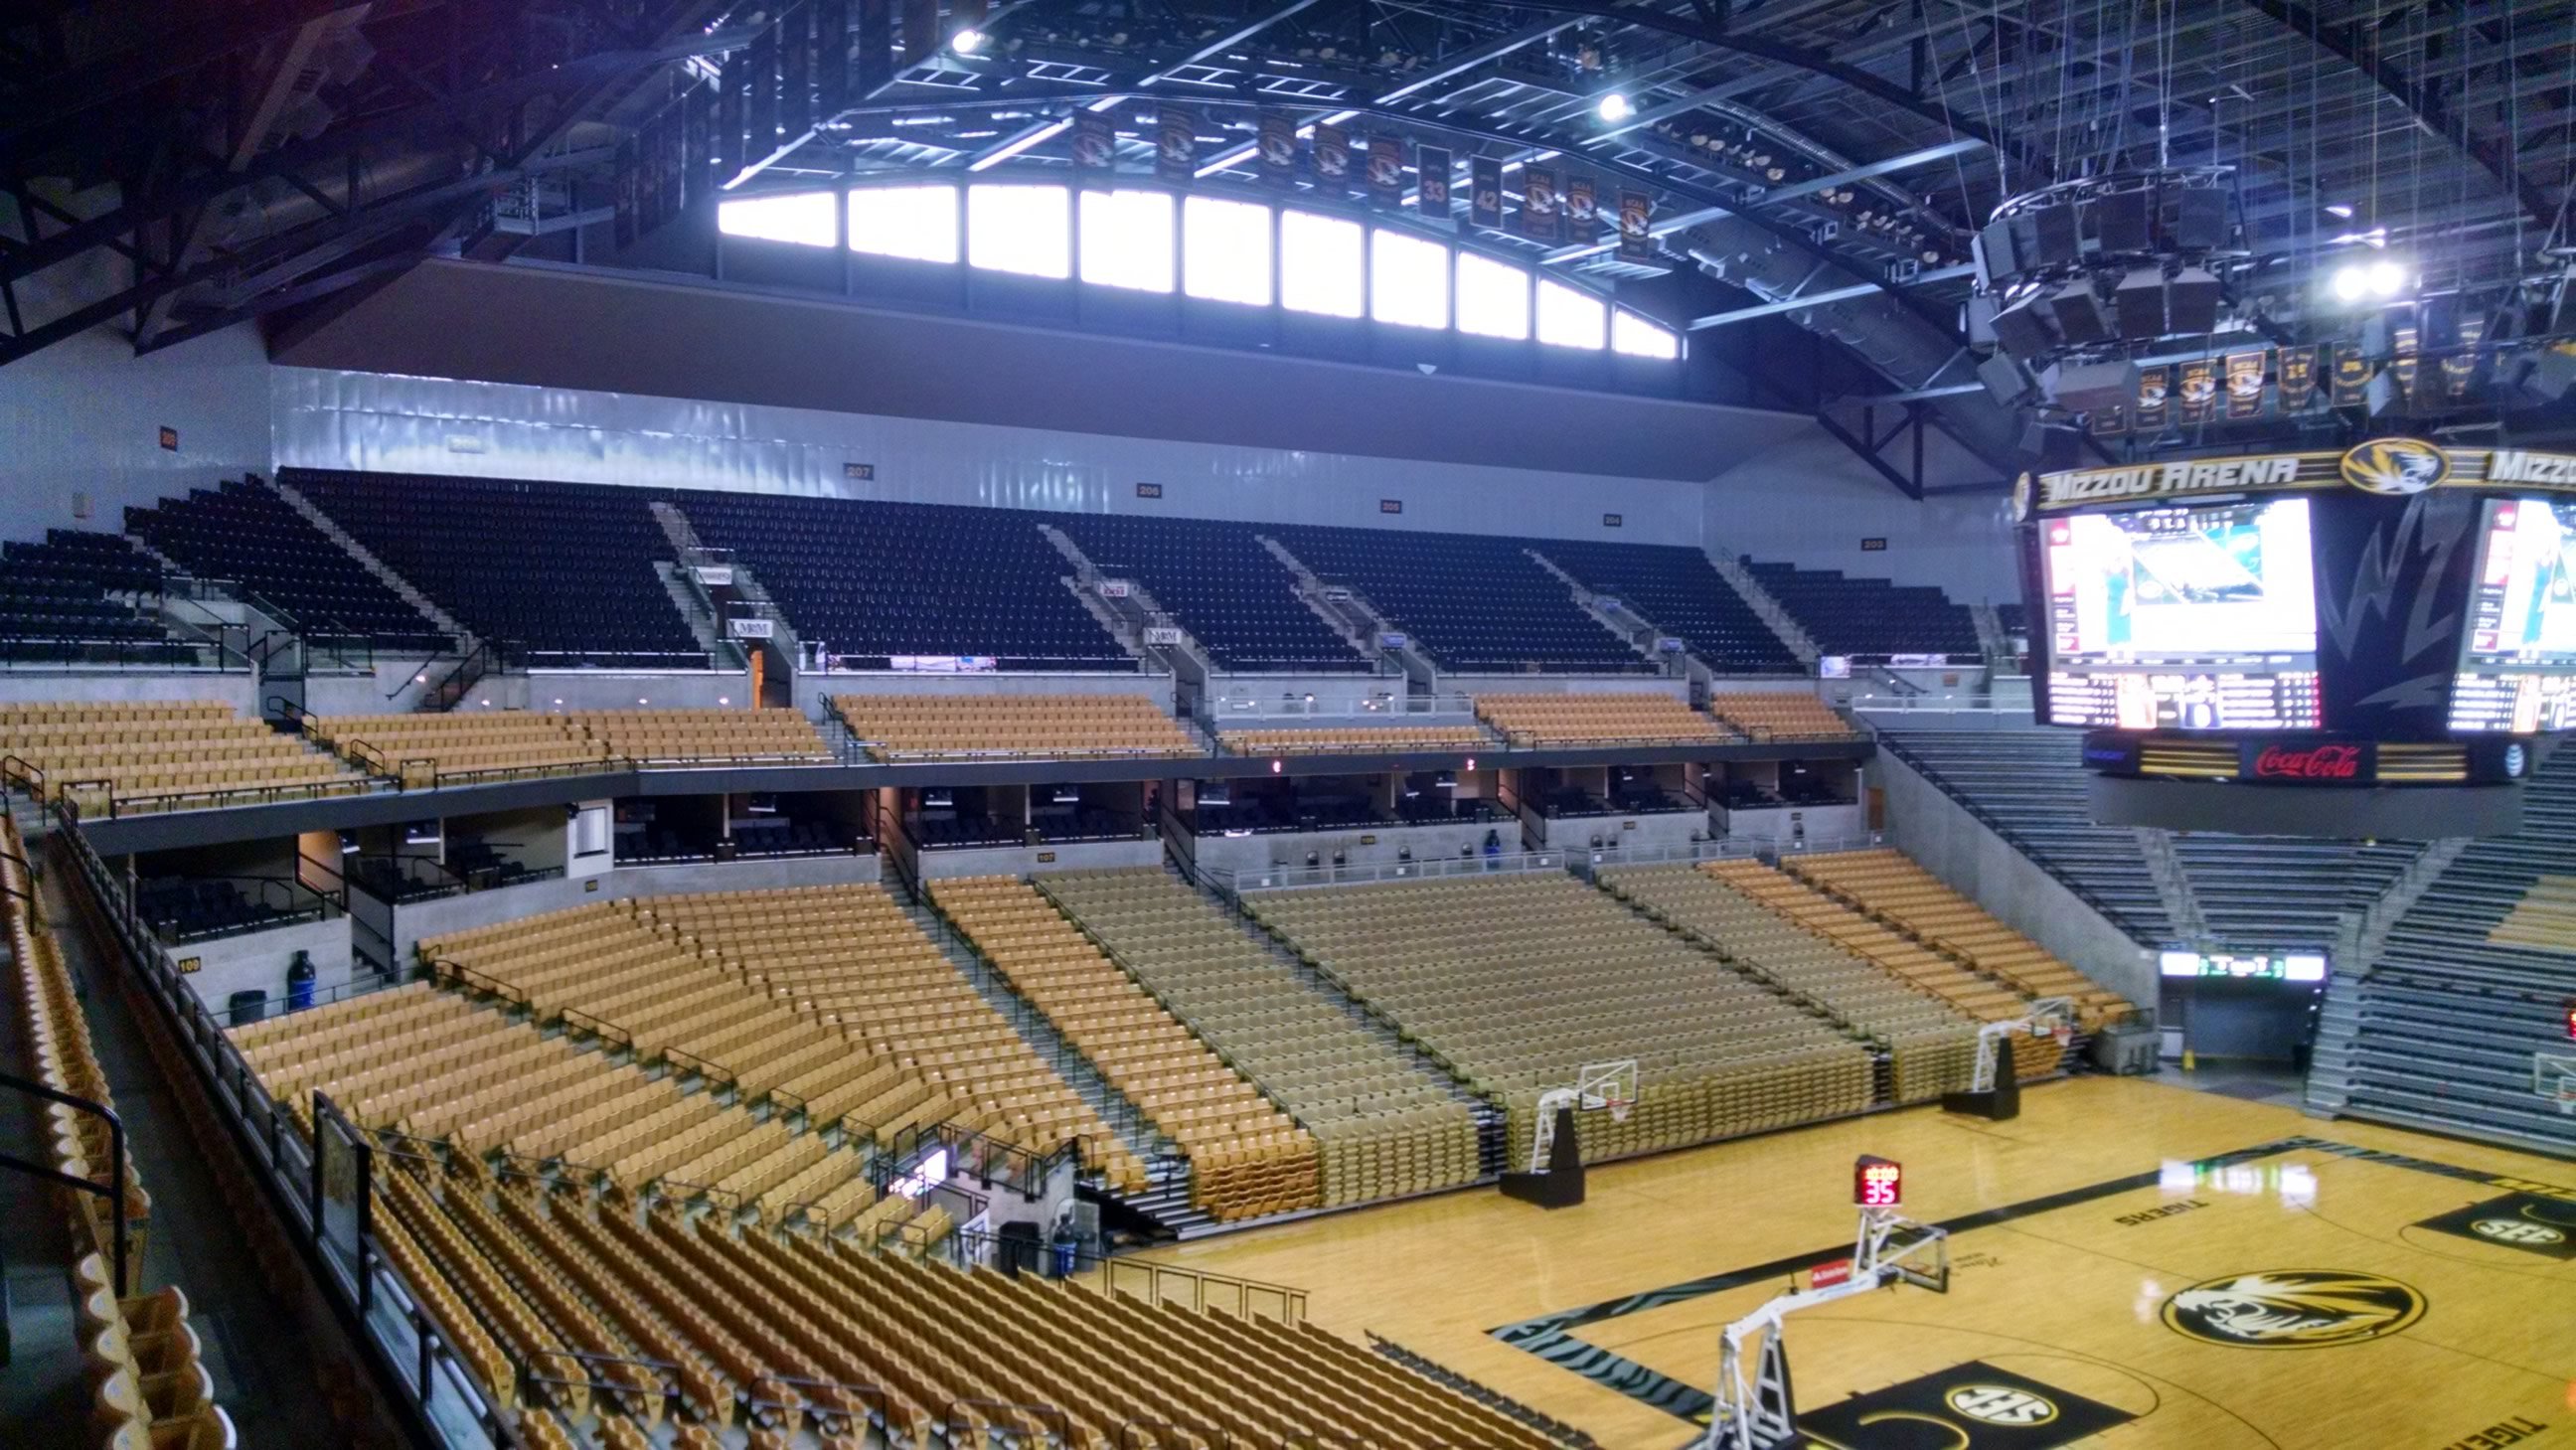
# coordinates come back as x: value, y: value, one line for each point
x: 1095, y: 140
x: 2351, y: 376
x: 2199, y: 390
x: 1278, y: 150
x: 2153, y: 385
x: 1385, y: 172
x: 1332, y: 161
x: 1579, y: 206
x: 1176, y: 152
x: 1636, y: 215
x: 2245, y: 384
x: 1485, y: 192
x: 2298, y: 378
x: 1538, y: 203
x: 2460, y: 366
x: 1431, y: 168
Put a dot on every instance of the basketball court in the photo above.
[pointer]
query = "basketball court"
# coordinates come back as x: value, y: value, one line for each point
x: 2129, y: 1262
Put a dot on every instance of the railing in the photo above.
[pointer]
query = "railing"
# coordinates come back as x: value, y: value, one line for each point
x: 401, y: 878
x: 1291, y: 878
x: 284, y: 896
x: 119, y: 804
x: 1111, y: 1274
x: 113, y: 1190
x: 40, y: 652
x: 1233, y: 709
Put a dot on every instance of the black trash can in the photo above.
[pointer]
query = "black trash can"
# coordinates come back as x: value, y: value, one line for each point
x: 244, y: 1007
x: 1020, y: 1249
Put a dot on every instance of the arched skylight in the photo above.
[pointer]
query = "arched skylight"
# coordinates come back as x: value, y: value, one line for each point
x: 1637, y: 337
x: 918, y: 223
x: 1225, y: 250
x: 804, y: 218
x: 1127, y: 239
x: 1569, y: 317
x: 1024, y: 229
x: 1493, y: 298
x: 1319, y: 264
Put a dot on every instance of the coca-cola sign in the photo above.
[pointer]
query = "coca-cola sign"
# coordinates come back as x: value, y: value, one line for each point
x: 2315, y: 762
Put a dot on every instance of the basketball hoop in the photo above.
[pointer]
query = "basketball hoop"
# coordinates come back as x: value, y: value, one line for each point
x: 2065, y: 1035
x: 1619, y: 1107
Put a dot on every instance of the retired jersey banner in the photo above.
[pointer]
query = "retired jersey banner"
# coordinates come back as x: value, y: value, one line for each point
x: 2351, y: 376
x: 1485, y: 192
x: 1538, y: 203
x: 2199, y: 390
x: 2245, y: 384
x: 2153, y: 385
x: 1095, y: 140
x: 1580, y: 206
x: 1176, y: 153
x: 1333, y: 161
x: 2298, y: 378
x: 1431, y: 165
x: 2460, y: 366
x: 1278, y: 147
x: 1385, y: 172
x: 1636, y: 220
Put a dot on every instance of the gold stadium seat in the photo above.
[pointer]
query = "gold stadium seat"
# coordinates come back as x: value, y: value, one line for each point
x: 1640, y: 717
x: 930, y: 727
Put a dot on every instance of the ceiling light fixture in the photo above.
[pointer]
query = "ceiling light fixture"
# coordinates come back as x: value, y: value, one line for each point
x: 1614, y: 108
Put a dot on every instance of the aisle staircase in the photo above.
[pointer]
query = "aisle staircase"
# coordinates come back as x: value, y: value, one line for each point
x: 1767, y: 605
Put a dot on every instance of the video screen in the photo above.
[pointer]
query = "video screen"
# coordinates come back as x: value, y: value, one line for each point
x: 2183, y: 618
x: 2518, y: 661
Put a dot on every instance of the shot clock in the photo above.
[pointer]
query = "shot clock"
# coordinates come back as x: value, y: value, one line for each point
x: 1878, y: 1182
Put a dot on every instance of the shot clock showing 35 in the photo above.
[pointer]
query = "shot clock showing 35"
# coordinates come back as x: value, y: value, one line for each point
x: 1878, y: 1182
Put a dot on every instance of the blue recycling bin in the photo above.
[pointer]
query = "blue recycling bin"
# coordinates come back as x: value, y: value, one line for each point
x: 299, y: 982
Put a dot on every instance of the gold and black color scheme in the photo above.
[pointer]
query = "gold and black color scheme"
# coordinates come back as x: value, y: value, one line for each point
x: 2534, y: 1225
x: 1974, y: 1406
x: 2293, y: 1309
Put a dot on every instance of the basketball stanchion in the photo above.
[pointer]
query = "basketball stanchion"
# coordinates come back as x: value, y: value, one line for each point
x: 1994, y: 1090
x: 1554, y: 1178
x: 1755, y: 1410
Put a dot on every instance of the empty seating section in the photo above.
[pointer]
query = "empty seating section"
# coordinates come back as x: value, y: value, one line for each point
x: 562, y: 574
x: 782, y: 737
x: 847, y: 958
x: 148, y: 1383
x: 57, y: 601
x: 1216, y: 580
x: 1621, y: 718
x: 422, y: 750
x: 1382, y: 1126
x: 930, y: 727
x: 1931, y: 1045
x: 2474, y: 980
x: 1892, y: 888
x: 1869, y: 619
x: 1773, y: 715
x: 245, y: 532
x: 2274, y: 893
x: 1515, y: 983
x: 1944, y: 977
x: 160, y: 755
x: 1684, y: 595
x: 1354, y: 738
x: 866, y: 581
x: 1475, y: 604
x: 1247, y: 1158
x: 2028, y: 787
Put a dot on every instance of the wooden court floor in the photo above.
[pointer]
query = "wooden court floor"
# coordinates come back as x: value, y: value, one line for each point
x: 2133, y: 1264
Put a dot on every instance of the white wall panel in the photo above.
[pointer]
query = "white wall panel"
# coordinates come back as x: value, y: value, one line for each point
x: 84, y: 416
x: 1810, y: 502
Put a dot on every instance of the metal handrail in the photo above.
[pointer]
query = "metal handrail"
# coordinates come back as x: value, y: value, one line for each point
x: 113, y: 1190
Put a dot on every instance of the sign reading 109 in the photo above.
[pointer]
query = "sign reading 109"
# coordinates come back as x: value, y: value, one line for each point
x: 1878, y: 1182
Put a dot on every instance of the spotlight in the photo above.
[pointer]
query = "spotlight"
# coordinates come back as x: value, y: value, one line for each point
x: 2381, y: 279
x: 1615, y: 108
x: 2340, y: 212
x: 967, y: 41
x: 2387, y: 278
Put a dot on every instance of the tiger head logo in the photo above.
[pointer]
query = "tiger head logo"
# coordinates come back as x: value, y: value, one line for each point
x: 2293, y: 1309
x: 2395, y: 466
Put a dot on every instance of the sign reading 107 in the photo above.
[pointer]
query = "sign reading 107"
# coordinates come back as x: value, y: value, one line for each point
x: 1878, y: 1182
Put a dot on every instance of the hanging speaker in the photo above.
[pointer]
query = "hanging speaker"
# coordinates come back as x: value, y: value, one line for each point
x: 2081, y: 317
x: 2120, y: 222
x: 1977, y: 319
x: 2200, y: 220
x: 2091, y: 387
x: 2004, y: 379
x: 2139, y: 303
x: 2191, y: 302
x: 2022, y: 330
x: 2054, y: 230
x: 1997, y: 259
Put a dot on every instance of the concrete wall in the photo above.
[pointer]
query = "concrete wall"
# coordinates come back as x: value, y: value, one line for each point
x: 256, y: 961
x: 1575, y: 833
x: 449, y: 914
x: 1675, y: 686
x: 813, y: 690
x: 237, y: 688
x: 1278, y: 692
x: 1289, y: 848
x: 1810, y: 502
x: 1781, y: 823
x: 1024, y: 860
x: 1956, y: 847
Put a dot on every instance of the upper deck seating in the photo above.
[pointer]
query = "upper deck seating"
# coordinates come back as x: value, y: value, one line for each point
x: 869, y: 581
x: 562, y: 572
x: 1772, y: 715
x: 1515, y: 983
x: 1327, y: 740
x: 1615, y: 718
x: 58, y: 602
x: 1869, y: 619
x: 1234, y: 596
x: 162, y: 755
x: 1684, y: 595
x: 1476, y: 604
x: 243, y: 531
x: 1383, y: 1126
x: 918, y: 727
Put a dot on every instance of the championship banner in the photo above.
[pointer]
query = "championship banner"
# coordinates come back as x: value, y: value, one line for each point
x: 2460, y: 368
x: 1538, y: 203
x: 2245, y: 384
x: 2153, y: 385
x: 1431, y: 166
x: 1485, y: 192
x: 1385, y: 172
x: 1579, y: 206
x: 1278, y: 150
x: 1332, y: 161
x: 2298, y: 378
x: 2408, y: 362
x: 2351, y: 376
x: 1176, y: 152
x: 1095, y: 140
x: 2108, y: 422
x: 1636, y: 215
x: 2199, y: 390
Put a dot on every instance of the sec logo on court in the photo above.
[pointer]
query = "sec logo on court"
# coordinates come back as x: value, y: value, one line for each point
x: 2000, y: 1405
x: 2293, y: 1309
x: 2515, y: 1231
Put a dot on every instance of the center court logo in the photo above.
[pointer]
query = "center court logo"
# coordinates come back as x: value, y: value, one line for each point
x: 2000, y: 1405
x: 2515, y: 1231
x: 2395, y: 466
x: 2293, y: 1309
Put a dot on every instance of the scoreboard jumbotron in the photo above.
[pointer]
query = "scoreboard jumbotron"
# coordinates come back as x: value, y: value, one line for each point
x: 2369, y: 640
